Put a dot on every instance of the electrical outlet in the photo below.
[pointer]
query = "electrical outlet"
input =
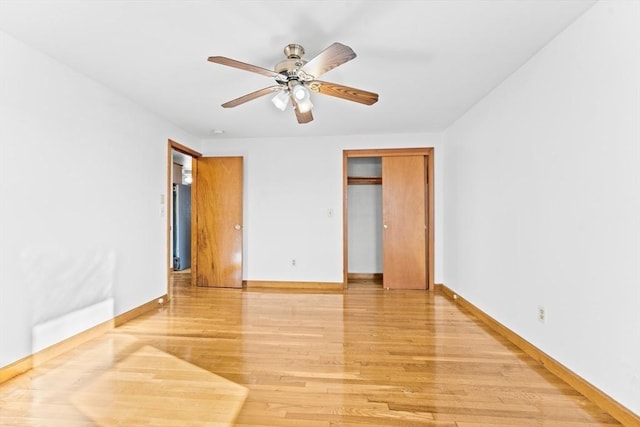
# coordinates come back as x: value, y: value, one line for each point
x: 293, y: 262
x: 541, y: 314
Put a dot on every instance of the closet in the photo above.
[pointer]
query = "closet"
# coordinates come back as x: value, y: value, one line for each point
x: 388, y: 199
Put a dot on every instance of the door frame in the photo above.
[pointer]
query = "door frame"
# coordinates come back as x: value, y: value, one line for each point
x: 171, y: 146
x: 428, y: 153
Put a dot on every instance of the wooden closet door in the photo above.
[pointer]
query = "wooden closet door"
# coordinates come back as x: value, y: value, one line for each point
x: 404, y: 249
x: 218, y: 185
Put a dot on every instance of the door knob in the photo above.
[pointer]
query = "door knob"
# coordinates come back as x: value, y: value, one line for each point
x: 237, y: 227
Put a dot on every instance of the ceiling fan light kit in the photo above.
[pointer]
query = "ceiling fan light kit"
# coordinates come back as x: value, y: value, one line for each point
x: 296, y: 78
x: 301, y: 96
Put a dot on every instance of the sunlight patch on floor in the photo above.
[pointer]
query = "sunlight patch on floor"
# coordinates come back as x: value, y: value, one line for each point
x: 151, y: 387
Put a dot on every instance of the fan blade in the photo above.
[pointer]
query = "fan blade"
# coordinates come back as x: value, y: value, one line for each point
x: 344, y: 92
x: 333, y: 56
x: 251, y: 96
x: 243, y: 66
x: 302, y: 117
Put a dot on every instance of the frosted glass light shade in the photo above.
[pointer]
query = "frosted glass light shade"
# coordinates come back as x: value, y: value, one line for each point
x: 281, y: 100
x: 305, y: 106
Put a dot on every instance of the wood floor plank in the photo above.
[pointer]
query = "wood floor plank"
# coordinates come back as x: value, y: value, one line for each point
x: 364, y: 356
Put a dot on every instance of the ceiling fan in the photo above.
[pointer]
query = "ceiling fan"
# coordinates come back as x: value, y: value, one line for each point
x: 296, y: 78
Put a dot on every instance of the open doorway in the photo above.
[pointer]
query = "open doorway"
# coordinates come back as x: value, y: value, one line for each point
x: 181, y: 163
x: 181, y: 179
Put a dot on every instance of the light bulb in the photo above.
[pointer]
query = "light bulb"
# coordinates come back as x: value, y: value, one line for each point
x: 300, y: 92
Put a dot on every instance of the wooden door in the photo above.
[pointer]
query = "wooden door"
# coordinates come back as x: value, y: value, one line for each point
x: 404, y: 251
x: 218, y: 222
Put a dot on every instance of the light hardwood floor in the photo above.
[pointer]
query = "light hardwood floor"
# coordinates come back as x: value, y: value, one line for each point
x: 362, y: 357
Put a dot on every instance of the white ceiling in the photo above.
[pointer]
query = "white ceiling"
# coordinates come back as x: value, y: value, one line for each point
x: 430, y: 61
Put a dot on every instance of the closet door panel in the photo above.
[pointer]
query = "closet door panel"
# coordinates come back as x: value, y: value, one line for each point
x: 404, y: 222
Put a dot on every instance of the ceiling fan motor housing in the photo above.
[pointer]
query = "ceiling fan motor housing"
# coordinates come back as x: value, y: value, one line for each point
x: 290, y: 66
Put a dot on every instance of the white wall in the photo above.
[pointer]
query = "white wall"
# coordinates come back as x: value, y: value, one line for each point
x: 364, y: 217
x: 542, y: 200
x: 290, y: 184
x: 82, y: 173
